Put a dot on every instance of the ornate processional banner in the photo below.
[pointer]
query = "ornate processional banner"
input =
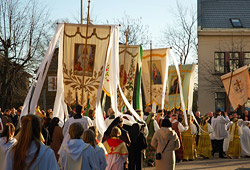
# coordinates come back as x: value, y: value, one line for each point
x: 187, y: 78
x: 239, y: 85
x: 83, y: 61
x: 153, y: 74
x: 128, y: 64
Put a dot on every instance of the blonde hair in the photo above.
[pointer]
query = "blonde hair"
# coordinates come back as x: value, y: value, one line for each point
x: 116, y: 132
x: 89, y: 137
x: 75, y: 130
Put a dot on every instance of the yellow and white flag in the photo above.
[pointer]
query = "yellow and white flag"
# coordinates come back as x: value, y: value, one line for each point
x: 187, y: 78
x: 239, y: 83
x: 154, y: 63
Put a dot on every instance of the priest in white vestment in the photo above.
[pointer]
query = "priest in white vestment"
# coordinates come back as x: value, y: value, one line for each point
x: 219, y: 134
x: 245, y: 139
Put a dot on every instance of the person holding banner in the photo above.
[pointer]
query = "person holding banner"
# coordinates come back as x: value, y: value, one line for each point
x: 188, y: 140
x: 85, y: 121
x: 219, y: 134
x: 204, y: 146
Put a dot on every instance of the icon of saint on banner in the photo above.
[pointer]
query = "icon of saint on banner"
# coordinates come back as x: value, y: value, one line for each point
x: 84, y: 59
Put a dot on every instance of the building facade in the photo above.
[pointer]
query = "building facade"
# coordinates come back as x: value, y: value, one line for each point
x: 223, y: 46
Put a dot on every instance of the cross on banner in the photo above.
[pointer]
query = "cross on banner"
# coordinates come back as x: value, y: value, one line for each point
x: 238, y: 87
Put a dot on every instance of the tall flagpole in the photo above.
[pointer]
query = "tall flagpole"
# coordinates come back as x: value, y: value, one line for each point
x: 81, y: 11
x: 151, y: 74
x: 85, y: 51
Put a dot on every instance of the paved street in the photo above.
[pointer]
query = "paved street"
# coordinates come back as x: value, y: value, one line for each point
x: 213, y: 164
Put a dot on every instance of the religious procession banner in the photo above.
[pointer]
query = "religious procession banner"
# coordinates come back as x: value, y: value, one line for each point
x: 84, y: 53
x: 239, y: 84
x: 187, y: 73
x: 128, y: 58
x: 154, y: 62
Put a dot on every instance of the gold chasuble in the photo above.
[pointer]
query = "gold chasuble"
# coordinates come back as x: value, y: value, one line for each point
x: 153, y: 74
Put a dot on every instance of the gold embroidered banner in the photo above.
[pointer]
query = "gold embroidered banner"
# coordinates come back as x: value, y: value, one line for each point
x: 153, y: 66
x: 239, y: 87
x: 128, y: 64
x: 83, y: 59
x: 187, y: 79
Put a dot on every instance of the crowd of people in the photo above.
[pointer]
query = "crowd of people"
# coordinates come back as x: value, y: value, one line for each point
x: 162, y: 139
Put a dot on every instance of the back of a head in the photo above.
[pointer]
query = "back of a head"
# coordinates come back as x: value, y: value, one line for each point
x: 31, y: 124
x: 116, y: 132
x: 54, y: 122
x: 30, y: 131
x: 79, y: 109
x: 168, y: 114
x: 89, y: 137
x: 166, y: 123
x: 148, y: 109
x: 76, y: 130
x: 159, y: 111
x: 8, y: 131
x: 217, y: 113
x: 91, y: 112
x: 94, y: 129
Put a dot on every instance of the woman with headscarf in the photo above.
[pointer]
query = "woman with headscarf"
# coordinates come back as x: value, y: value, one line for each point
x: 117, y: 122
x: 166, y: 141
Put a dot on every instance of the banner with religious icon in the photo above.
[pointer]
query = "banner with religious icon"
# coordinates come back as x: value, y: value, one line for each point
x: 128, y: 58
x: 153, y: 74
x: 237, y: 86
x: 84, y: 58
x: 173, y: 92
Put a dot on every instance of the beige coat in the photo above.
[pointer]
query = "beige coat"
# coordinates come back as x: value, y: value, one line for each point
x: 159, y: 141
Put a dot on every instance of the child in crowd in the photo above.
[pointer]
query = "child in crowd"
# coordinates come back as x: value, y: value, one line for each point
x: 89, y: 137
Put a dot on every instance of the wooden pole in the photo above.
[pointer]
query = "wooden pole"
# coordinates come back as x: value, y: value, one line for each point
x: 151, y: 72
x: 81, y: 11
x: 85, y: 51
